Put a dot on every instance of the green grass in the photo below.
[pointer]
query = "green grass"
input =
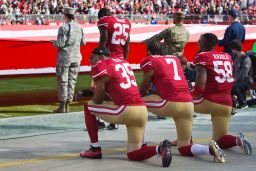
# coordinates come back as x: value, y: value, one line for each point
x: 17, y: 87
x: 14, y: 85
x: 31, y: 110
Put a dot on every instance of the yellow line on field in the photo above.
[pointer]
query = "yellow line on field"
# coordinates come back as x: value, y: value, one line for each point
x: 106, y: 151
x: 58, y: 157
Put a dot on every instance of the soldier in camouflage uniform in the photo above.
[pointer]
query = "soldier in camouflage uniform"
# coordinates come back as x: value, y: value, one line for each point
x: 70, y: 38
x: 175, y: 38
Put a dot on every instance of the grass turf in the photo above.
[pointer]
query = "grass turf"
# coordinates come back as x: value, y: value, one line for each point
x: 18, y: 87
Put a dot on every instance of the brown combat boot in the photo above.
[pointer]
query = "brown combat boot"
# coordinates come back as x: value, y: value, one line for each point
x: 61, y: 108
x: 67, y: 107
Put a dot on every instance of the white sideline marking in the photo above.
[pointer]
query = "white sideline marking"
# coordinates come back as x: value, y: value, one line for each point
x: 4, y: 115
x: 3, y: 149
x: 47, y: 70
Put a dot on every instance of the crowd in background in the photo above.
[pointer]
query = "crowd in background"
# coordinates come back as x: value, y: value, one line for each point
x: 215, y: 7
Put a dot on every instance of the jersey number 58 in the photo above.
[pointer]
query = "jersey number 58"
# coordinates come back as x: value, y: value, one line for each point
x: 224, y: 69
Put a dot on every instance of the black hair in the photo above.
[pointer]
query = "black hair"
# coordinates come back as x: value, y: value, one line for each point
x: 101, y: 51
x: 155, y: 48
x: 70, y: 16
x: 210, y: 41
x: 236, y: 44
x: 103, y: 12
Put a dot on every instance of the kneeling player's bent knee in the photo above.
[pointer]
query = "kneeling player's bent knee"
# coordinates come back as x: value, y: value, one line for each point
x: 183, y: 110
x: 220, y: 126
x: 136, y: 116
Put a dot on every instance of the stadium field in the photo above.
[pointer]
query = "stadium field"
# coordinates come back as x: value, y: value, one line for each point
x: 26, y: 96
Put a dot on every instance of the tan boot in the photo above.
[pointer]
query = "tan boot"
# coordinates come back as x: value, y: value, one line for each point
x: 67, y: 107
x: 61, y: 108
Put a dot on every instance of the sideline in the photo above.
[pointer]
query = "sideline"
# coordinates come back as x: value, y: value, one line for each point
x: 106, y: 151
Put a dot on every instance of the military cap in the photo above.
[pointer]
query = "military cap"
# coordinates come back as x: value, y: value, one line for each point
x: 69, y: 10
x: 233, y: 13
x: 179, y: 15
x: 101, y: 51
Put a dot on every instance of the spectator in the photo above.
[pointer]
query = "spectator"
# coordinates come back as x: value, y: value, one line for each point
x: 70, y: 38
x: 242, y: 65
x: 235, y: 31
x: 40, y: 20
x: 153, y: 21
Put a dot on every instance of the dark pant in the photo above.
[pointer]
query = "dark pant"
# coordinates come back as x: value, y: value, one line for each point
x: 251, y: 102
x: 239, y: 89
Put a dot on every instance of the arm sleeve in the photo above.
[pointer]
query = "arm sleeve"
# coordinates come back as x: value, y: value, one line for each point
x: 158, y: 37
x: 103, y: 23
x: 61, y: 39
x: 83, y: 40
x: 146, y: 64
x: 99, y: 70
x: 245, y: 68
x: 243, y: 35
x: 199, y: 60
x: 226, y: 38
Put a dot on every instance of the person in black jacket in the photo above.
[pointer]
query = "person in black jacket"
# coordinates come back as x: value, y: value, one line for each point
x: 235, y: 31
x: 242, y: 65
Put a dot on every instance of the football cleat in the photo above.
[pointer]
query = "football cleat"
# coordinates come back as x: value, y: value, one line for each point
x: 165, y: 151
x: 244, y: 143
x: 217, y: 152
x: 111, y: 127
x: 92, y: 153
x: 83, y: 93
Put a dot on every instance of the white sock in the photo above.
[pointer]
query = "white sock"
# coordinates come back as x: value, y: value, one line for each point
x: 157, y: 149
x: 198, y: 149
x: 95, y: 144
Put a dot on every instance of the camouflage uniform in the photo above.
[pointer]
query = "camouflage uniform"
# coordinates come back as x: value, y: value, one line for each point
x: 70, y: 38
x: 175, y: 39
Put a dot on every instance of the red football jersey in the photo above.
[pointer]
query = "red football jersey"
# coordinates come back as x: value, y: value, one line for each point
x: 168, y: 77
x: 219, y: 76
x: 121, y: 86
x: 118, y: 32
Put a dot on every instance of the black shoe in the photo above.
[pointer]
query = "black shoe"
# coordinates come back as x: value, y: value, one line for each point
x: 243, y: 106
x: 111, y: 126
x: 159, y: 117
x: 93, y: 153
x: 234, y: 101
x: 233, y: 111
x: 82, y: 93
x: 101, y: 125
x: 165, y: 150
